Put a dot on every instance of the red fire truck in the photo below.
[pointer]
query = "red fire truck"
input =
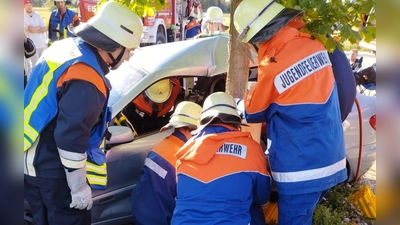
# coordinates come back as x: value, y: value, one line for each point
x: 155, y: 28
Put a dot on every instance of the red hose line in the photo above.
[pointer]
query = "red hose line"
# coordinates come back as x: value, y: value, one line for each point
x: 361, y: 140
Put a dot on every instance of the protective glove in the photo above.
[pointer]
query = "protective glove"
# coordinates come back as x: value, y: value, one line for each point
x: 81, y: 193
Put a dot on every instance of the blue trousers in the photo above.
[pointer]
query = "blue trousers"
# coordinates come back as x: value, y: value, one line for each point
x: 298, y: 209
x: 257, y: 215
x: 49, y: 201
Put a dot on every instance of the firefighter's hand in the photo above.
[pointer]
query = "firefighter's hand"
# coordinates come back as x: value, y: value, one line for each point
x: 81, y: 193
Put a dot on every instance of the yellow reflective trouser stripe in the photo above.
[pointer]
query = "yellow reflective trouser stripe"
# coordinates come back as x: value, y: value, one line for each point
x: 100, y: 174
x: 99, y: 180
x: 96, y: 169
x: 40, y: 92
x: 90, y: 167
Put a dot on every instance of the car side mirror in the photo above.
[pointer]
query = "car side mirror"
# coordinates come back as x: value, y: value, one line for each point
x: 120, y: 135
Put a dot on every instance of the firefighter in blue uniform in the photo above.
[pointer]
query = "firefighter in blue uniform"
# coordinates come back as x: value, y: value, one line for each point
x: 296, y: 94
x: 157, y: 185
x: 60, y: 19
x: 66, y: 116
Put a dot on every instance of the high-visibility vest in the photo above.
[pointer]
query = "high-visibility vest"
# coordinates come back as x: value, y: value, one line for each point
x: 41, y: 105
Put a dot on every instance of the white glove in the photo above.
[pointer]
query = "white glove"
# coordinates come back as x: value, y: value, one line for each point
x: 81, y: 193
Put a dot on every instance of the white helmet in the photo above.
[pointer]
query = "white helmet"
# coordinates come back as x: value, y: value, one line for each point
x: 113, y: 25
x: 118, y: 23
x: 222, y: 106
x: 214, y: 14
x: 253, y: 16
x: 187, y: 114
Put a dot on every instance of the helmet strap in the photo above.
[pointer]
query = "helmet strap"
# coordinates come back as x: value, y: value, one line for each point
x: 118, y: 59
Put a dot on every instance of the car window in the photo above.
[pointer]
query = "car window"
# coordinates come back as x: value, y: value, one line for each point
x: 124, y: 79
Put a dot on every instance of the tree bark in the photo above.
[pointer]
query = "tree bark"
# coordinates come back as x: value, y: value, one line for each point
x: 238, y: 70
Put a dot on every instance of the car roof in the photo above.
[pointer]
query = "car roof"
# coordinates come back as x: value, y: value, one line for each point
x: 199, y: 57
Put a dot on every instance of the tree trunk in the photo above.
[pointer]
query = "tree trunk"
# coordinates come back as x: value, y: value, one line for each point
x: 238, y: 70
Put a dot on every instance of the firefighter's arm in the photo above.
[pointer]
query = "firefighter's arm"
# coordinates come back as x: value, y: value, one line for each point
x: 253, y: 106
x: 29, y: 47
x: 345, y: 82
x: 81, y: 100
x: 76, y: 21
x: 49, y: 29
x: 82, y: 95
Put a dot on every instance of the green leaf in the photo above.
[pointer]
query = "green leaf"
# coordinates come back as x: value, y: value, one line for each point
x: 366, y: 6
x: 321, y: 38
x: 330, y: 44
x: 142, y: 2
x: 149, y: 11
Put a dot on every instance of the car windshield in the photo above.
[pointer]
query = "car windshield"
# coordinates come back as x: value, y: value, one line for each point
x: 124, y: 79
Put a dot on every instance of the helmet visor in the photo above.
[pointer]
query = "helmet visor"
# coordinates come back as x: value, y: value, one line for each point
x: 244, y: 32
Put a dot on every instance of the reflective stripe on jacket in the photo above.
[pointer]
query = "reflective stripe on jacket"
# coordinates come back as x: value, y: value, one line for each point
x: 157, y: 185
x: 58, y: 24
x: 220, y: 175
x: 41, y: 108
x: 296, y: 96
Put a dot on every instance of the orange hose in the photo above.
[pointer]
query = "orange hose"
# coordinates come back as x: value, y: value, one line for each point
x: 361, y: 140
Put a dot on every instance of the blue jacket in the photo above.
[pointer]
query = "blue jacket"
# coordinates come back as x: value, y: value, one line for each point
x: 221, y: 174
x: 153, y: 199
x: 65, y: 112
x: 58, y: 27
x: 296, y: 95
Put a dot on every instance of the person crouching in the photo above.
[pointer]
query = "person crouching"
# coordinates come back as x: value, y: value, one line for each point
x: 153, y: 199
x: 222, y: 175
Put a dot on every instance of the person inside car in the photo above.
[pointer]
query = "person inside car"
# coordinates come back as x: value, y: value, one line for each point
x: 149, y: 111
x: 296, y: 95
x: 66, y: 125
x: 157, y: 185
x: 222, y: 173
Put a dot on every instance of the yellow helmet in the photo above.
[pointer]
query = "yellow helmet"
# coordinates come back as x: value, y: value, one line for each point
x: 160, y: 91
x: 252, y: 16
x: 186, y: 114
x: 118, y: 23
x: 214, y: 14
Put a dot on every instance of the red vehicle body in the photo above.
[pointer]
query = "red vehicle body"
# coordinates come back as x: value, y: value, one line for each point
x: 155, y: 28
